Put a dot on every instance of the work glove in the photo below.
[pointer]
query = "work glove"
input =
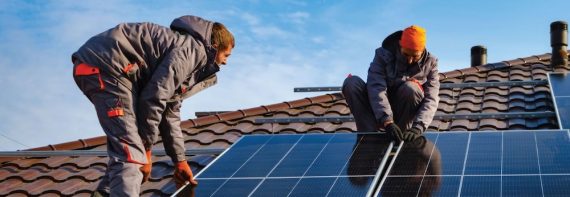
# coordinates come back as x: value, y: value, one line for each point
x: 411, y: 134
x: 395, y: 132
x: 146, y: 168
x: 183, y: 173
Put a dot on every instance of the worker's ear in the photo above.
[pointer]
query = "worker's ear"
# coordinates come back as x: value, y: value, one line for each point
x: 215, y: 46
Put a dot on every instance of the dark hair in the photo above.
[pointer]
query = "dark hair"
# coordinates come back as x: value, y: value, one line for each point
x: 222, y: 37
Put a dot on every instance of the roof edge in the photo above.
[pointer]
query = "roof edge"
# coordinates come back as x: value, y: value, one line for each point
x: 77, y: 144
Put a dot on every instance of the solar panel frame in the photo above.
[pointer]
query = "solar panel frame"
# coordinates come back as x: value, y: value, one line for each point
x: 507, y: 181
x: 555, y: 95
x: 375, y: 177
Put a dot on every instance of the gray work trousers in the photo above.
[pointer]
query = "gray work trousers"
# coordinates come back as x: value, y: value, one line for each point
x: 404, y: 102
x: 114, y: 104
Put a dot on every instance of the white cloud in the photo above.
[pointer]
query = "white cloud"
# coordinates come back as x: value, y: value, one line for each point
x: 318, y: 39
x: 298, y: 18
x: 250, y: 19
x: 269, y: 31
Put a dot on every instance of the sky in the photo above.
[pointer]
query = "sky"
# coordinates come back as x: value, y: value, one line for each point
x: 279, y: 45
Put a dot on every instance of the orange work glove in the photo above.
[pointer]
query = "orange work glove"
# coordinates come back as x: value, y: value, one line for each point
x: 183, y: 173
x: 146, y: 168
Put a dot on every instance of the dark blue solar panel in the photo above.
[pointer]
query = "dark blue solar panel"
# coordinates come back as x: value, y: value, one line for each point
x: 276, y: 187
x: 521, y: 186
x: 554, y: 152
x: 313, y: 187
x: 302, y: 155
x: 263, y: 161
x: 338, y: 149
x: 351, y: 186
x: 452, y: 147
x: 519, y: 153
x: 556, y: 185
x: 236, y: 187
x: 239, y: 154
x: 560, y: 84
x: 440, y: 185
x: 481, y: 186
x: 510, y: 163
x: 297, y: 165
x: 484, y: 154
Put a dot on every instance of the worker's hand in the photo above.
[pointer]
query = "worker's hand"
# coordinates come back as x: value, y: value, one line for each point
x: 183, y: 173
x: 411, y: 134
x: 395, y: 132
x: 146, y: 168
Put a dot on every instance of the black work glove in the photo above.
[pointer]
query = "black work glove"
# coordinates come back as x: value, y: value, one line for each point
x: 411, y: 134
x: 395, y: 132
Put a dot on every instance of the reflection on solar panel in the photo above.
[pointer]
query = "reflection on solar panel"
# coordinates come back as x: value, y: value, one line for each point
x: 297, y: 165
x: 510, y: 163
x: 560, y: 86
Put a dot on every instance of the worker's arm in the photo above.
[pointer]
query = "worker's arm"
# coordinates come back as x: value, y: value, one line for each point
x: 167, y: 77
x: 428, y: 106
x: 377, y: 87
x: 171, y: 133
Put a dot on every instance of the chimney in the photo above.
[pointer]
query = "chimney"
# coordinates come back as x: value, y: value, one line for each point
x: 559, y: 44
x: 478, y: 55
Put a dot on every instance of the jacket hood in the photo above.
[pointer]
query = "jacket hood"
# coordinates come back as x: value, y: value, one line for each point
x: 200, y: 29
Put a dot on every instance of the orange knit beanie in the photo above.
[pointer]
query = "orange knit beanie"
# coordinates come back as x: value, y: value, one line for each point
x: 414, y: 37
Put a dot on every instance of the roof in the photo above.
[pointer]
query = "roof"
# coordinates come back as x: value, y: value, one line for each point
x: 64, y: 175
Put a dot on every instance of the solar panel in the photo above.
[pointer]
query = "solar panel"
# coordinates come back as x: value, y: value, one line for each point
x: 297, y: 165
x: 559, y: 84
x: 509, y: 163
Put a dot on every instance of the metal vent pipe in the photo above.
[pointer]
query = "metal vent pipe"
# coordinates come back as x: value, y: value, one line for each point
x: 478, y: 55
x: 559, y: 44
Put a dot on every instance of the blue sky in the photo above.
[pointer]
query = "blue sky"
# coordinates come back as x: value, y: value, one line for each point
x: 280, y: 45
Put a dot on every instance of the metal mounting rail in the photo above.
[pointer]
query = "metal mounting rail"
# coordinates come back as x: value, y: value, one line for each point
x: 311, y: 119
x: 317, y: 89
x: 208, y: 113
x: 98, y: 153
x: 507, y: 115
x: 442, y: 85
x: 493, y: 84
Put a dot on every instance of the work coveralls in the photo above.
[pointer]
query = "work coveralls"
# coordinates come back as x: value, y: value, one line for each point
x: 394, y: 90
x: 136, y: 75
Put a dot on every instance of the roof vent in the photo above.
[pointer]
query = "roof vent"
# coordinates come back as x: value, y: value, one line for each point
x: 478, y: 55
x: 559, y: 43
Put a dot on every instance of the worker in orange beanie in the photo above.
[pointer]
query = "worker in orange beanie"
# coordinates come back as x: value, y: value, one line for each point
x: 400, y: 95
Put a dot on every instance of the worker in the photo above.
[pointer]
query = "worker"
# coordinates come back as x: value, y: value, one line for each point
x: 136, y: 75
x: 400, y: 95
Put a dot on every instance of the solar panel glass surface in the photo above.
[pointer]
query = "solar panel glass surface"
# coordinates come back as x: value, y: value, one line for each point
x: 509, y: 163
x: 297, y: 165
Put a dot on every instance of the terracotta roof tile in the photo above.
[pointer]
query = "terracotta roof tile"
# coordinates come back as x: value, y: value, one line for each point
x: 464, y: 125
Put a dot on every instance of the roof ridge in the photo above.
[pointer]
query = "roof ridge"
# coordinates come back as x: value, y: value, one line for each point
x: 206, y: 120
x: 493, y: 66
